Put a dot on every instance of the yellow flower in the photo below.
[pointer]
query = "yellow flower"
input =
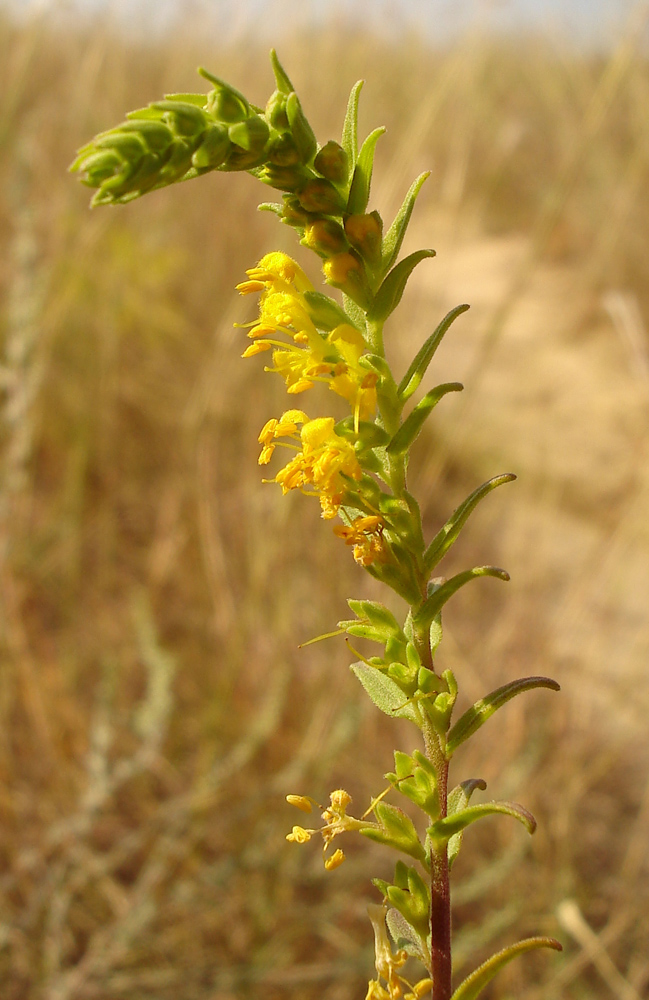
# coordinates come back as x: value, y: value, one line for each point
x: 322, y: 462
x: 299, y: 835
x: 308, y: 356
x: 366, y: 535
x: 387, y: 964
x: 335, y: 861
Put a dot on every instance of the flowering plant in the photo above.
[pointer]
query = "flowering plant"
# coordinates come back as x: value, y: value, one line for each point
x: 357, y: 469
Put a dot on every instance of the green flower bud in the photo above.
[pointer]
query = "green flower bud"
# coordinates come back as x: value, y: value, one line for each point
x: 321, y: 197
x: 284, y: 178
x: 98, y: 167
x: 365, y: 233
x: 294, y: 214
x: 178, y: 163
x: 282, y: 151
x: 276, y: 111
x: 224, y: 102
x: 326, y: 237
x: 184, y: 119
x: 300, y: 129
x: 156, y: 135
x: 128, y: 145
x: 332, y: 162
x: 251, y: 135
x: 213, y: 150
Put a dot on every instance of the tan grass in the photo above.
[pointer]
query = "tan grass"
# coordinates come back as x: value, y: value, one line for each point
x: 154, y: 707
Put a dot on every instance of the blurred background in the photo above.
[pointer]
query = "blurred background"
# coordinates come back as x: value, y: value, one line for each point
x: 154, y: 706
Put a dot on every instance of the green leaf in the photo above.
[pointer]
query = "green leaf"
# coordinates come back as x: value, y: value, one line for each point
x: 389, y: 294
x: 396, y: 830
x: 414, y: 422
x: 394, y: 236
x: 406, y: 937
x: 476, y: 982
x: 459, y: 799
x: 483, y: 709
x: 325, y: 312
x: 355, y: 312
x: 445, y: 828
x: 271, y: 206
x: 384, y: 692
x: 284, y: 85
x: 413, y: 902
x: 424, y: 356
x: 447, y: 534
x: 349, y: 139
x: 443, y: 592
x: 371, y: 435
x: 359, y: 192
x: 378, y: 615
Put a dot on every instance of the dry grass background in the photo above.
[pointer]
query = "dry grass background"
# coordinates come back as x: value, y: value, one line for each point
x: 154, y: 708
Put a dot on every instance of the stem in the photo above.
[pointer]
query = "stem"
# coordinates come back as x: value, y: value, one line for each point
x: 440, y: 905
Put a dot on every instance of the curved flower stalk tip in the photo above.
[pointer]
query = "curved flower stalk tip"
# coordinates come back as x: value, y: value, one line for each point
x: 356, y: 466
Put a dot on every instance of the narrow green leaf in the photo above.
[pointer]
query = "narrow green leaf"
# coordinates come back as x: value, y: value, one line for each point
x: 445, y: 828
x: 424, y: 356
x: 271, y: 206
x: 284, y: 85
x: 447, y: 534
x: 414, y: 422
x: 483, y: 709
x: 378, y: 615
x: 459, y: 799
x: 392, y: 288
x: 474, y: 984
x: 355, y: 312
x: 198, y: 99
x: 325, y: 311
x: 436, y: 601
x: 394, y: 236
x: 359, y: 192
x: 396, y: 830
x: 349, y: 140
x: 386, y: 695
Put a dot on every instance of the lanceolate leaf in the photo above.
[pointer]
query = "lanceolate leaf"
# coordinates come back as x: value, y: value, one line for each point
x: 424, y: 356
x: 389, y: 294
x: 434, y: 604
x: 384, y: 692
x: 474, y: 984
x: 394, y: 236
x: 406, y: 937
x: 483, y: 709
x: 349, y: 140
x: 414, y: 422
x: 447, y: 534
x: 359, y: 193
x: 445, y: 828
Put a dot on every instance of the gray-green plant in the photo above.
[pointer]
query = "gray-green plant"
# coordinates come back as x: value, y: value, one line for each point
x: 357, y: 468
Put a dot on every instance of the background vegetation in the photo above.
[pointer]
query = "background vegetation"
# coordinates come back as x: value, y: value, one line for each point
x: 154, y: 706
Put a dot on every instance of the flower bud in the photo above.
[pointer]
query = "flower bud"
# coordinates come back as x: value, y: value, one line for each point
x: 251, y: 134
x: 294, y: 214
x: 282, y: 151
x: 346, y: 272
x: 332, y: 162
x: 224, y: 102
x: 156, y: 135
x: 213, y: 150
x: 284, y: 178
x: 326, y: 237
x: 185, y: 119
x: 321, y: 197
x: 276, y: 111
x: 365, y: 233
x: 300, y: 129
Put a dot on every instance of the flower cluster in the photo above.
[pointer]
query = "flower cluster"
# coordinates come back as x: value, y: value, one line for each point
x: 308, y: 356
x: 321, y: 464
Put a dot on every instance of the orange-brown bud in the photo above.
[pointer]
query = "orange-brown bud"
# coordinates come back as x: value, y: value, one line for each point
x: 365, y: 233
x: 326, y: 237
